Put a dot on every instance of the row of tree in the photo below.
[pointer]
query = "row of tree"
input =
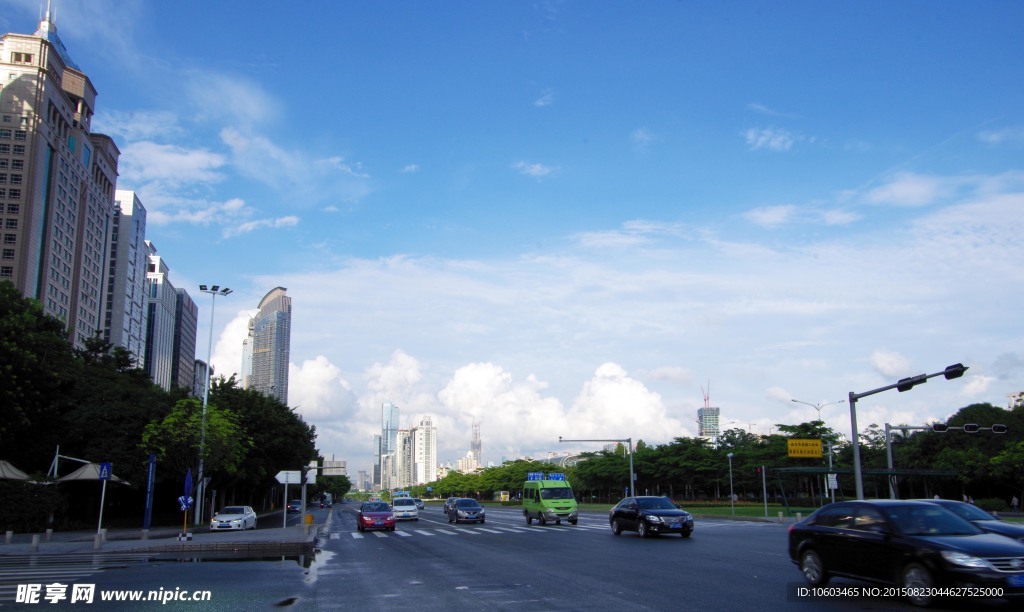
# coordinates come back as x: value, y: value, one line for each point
x: 925, y: 463
x: 97, y: 405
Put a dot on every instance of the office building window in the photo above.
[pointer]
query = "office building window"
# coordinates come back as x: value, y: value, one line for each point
x: 8, y: 254
x: 6, y: 271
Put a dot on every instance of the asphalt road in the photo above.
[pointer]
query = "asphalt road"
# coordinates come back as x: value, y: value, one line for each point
x: 504, y: 564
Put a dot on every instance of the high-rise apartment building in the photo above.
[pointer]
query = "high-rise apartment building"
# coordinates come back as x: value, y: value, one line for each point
x: 271, y: 340
x: 125, y: 322
x: 57, y: 181
x: 424, y: 452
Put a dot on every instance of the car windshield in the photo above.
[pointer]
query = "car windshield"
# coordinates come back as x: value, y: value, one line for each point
x: 404, y: 502
x: 559, y: 493
x: 296, y: 502
x: 655, y: 503
x: 969, y: 512
x: 233, y: 510
x: 467, y: 503
x: 375, y: 507
x: 916, y: 520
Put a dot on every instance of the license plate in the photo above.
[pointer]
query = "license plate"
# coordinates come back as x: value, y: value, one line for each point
x: 375, y: 523
x: 676, y: 525
x: 1015, y: 581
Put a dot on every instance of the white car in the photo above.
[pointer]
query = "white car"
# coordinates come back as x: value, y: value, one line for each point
x: 405, y: 509
x: 232, y: 518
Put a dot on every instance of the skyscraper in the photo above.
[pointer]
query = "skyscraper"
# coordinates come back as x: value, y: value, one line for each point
x: 160, y: 314
x: 424, y: 452
x: 186, y: 321
x: 707, y: 422
x: 125, y: 322
x: 57, y: 182
x: 271, y: 341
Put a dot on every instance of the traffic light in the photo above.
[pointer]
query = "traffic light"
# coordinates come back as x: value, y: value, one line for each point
x: 906, y: 384
x: 758, y: 469
x: 954, y: 371
x: 971, y: 428
x: 998, y: 428
x: 940, y: 427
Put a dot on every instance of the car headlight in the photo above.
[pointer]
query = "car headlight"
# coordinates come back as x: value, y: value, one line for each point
x: 653, y: 519
x: 957, y: 558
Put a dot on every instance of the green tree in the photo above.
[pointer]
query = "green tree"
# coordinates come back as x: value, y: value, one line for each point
x: 37, y: 371
x: 176, y: 439
x: 279, y: 438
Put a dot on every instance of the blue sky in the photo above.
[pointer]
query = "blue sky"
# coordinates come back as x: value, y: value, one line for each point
x: 576, y: 218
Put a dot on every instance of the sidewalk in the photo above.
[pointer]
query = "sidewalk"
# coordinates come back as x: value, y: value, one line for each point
x: 281, y: 540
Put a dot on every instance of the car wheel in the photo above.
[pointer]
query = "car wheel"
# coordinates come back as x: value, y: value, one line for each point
x: 542, y: 520
x: 813, y: 568
x: 449, y: 518
x: 572, y: 522
x: 641, y: 528
x: 616, y: 527
x: 686, y: 534
x: 558, y: 522
x: 529, y: 519
x: 481, y: 521
x: 918, y: 584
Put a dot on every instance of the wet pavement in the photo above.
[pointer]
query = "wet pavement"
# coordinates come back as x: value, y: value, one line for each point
x: 282, y: 540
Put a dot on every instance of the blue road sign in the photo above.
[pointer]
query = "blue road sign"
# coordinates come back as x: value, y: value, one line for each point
x: 105, y: 469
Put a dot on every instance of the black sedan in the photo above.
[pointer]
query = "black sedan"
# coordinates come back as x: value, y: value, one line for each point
x: 916, y: 545
x: 982, y: 519
x: 649, y: 515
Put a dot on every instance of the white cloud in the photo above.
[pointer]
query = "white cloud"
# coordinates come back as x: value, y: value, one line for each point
x: 890, y: 364
x: 534, y: 170
x: 171, y: 166
x: 1009, y: 135
x: 250, y: 103
x: 410, y: 168
x: 771, y: 216
x: 249, y: 226
x: 641, y: 137
x: 547, y: 98
x: 772, y: 139
x: 909, y: 189
x: 318, y: 391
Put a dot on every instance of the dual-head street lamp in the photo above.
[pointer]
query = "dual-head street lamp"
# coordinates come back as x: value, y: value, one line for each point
x: 214, y: 291
x: 904, y: 384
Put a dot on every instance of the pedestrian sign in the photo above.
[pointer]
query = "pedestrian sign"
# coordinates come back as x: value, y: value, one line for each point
x: 105, y: 469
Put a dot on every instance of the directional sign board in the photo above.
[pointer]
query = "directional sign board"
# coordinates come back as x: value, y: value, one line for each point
x: 295, y: 477
x: 289, y: 477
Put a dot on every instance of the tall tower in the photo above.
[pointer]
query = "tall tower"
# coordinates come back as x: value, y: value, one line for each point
x: 125, y: 323
x: 474, y: 445
x: 160, y: 314
x: 58, y: 178
x: 272, y: 330
x: 707, y: 418
x: 424, y: 438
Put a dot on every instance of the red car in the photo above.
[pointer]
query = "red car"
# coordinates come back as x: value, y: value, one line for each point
x: 375, y: 515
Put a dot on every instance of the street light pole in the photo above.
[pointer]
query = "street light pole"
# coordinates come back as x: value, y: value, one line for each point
x: 214, y: 291
x: 732, y: 497
x: 904, y: 384
x: 629, y: 442
x: 818, y: 407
